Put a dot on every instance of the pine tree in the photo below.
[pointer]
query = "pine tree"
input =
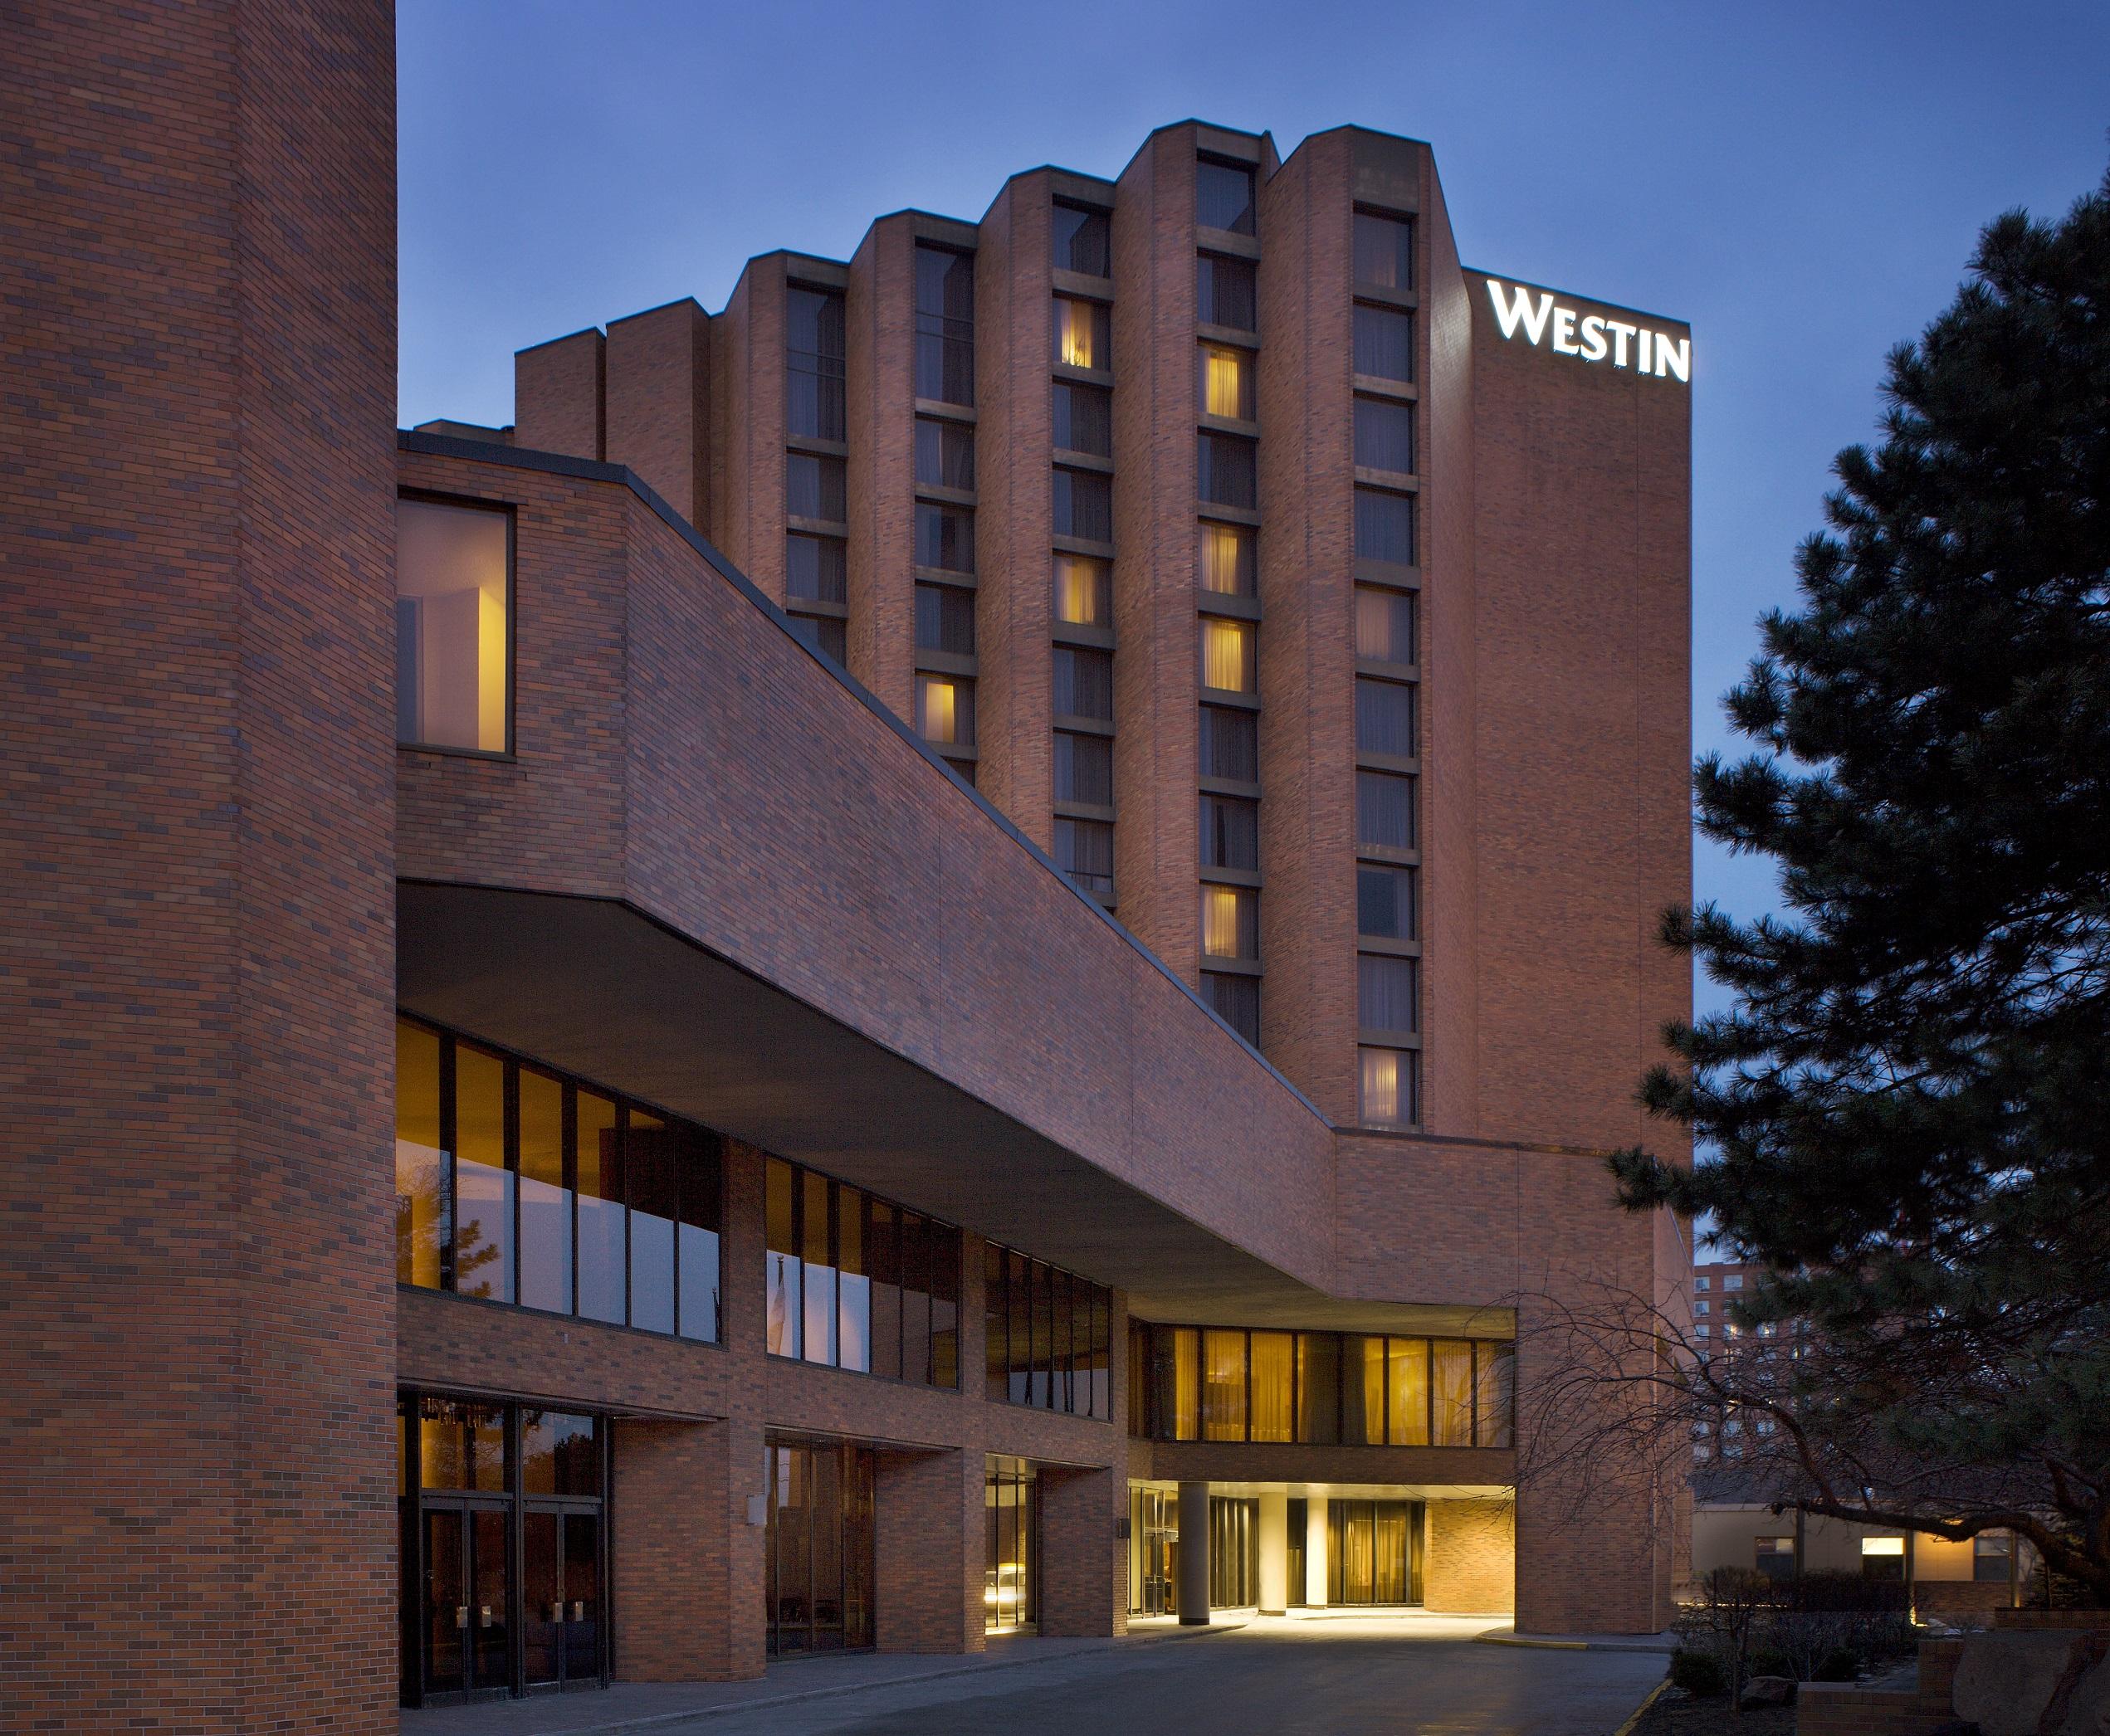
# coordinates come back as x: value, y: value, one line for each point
x: 1908, y: 1103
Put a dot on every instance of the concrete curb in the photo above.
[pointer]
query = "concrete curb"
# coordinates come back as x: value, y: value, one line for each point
x: 1554, y: 1642
x: 660, y: 1721
x: 1641, y: 1711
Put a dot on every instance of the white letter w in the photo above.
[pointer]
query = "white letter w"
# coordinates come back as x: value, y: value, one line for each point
x: 1520, y: 312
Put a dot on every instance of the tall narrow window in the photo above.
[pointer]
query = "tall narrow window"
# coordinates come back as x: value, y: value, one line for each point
x: 1226, y: 381
x: 1237, y: 1001
x: 1385, y: 901
x: 1227, y: 655
x: 1384, y: 435
x: 1387, y: 1086
x: 945, y: 453
x: 944, y: 537
x: 1385, y: 815
x: 1083, y: 334
x: 1383, y: 343
x: 1223, y: 196
x: 1084, y: 683
x: 1407, y: 1392
x: 1273, y: 1362
x: 1451, y: 1392
x: 945, y: 619
x: 601, y: 1280
x: 1226, y: 560
x: 653, y: 1156
x: 1083, y: 590
x: 1230, y: 921
x: 1084, y: 418
x: 1084, y: 505
x: 546, y: 1199
x: 813, y: 352
x: 1223, y: 1386
x: 815, y: 568
x: 1083, y: 240
x: 1383, y: 250
x: 944, y: 325
x: 483, y: 1186
x: 1385, y: 717
x: 1384, y: 527
x: 815, y: 487
x: 1084, y: 850
x: 1384, y: 625
x: 1084, y: 769
x: 1226, y: 471
x: 1386, y: 991
x: 1230, y: 828
x: 453, y: 600
x: 1230, y: 745
x: 944, y: 711
x: 1226, y: 293
x: 424, y: 1234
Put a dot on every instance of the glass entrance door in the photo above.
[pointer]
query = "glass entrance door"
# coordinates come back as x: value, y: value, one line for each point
x: 560, y: 1600
x: 467, y: 1617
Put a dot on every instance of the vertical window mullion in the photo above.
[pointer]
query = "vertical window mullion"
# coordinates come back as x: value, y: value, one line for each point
x: 568, y: 1137
x: 448, y: 1262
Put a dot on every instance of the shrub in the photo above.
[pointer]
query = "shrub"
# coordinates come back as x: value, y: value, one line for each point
x: 1767, y: 1658
x: 1699, y: 1673
x: 1838, y: 1664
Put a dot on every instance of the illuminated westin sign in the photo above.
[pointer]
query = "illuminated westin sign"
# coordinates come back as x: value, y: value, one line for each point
x: 1591, y: 336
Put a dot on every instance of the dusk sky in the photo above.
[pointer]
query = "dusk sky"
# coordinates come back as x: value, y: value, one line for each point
x: 1802, y: 183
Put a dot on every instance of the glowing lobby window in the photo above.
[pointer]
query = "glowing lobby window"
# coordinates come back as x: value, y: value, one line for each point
x: 856, y: 1282
x: 1083, y: 334
x: 1083, y: 590
x: 1227, y: 655
x: 1383, y: 250
x: 1011, y: 1511
x: 1218, y: 1383
x: 1226, y: 560
x: 514, y: 1185
x: 1227, y: 382
x: 1230, y: 921
x: 1048, y: 1335
x: 1374, y: 1552
x: 453, y: 605
x: 818, y: 1548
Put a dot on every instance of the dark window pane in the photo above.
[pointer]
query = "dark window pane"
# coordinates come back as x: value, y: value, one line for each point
x: 1384, y: 435
x: 945, y: 453
x: 653, y: 1156
x: 815, y: 487
x: 1084, y: 505
x: 559, y: 1454
x: 1383, y: 250
x: 1384, y: 625
x: 545, y: 1202
x: 1386, y: 995
x: 944, y: 537
x: 945, y: 619
x: 814, y: 351
x: 942, y: 1244
x: 1084, y: 850
x: 1384, y: 343
x: 944, y: 325
x: 600, y: 1211
x: 1230, y: 745
x: 1385, y: 901
x: 1237, y: 1001
x: 996, y: 1332
x: 1385, y: 716
x: 1084, y: 683
x: 1318, y: 1387
x: 1226, y: 293
x: 1230, y: 832
x: 483, y: 1187
x: 702, y: 1210
x: 916, y: 1299
x: 786, y: 1313
x: 1384, y: 527
x: 1084, y: 769
x: 1083, y: 240
x: 816, y: 568
x: 1225, y: 471
x: 824, y: 633
x: 883, y: 1251
x: 1223, y: 196
x: 815, y: 1243
x: 1084, y: 418
x: 1384, y: 811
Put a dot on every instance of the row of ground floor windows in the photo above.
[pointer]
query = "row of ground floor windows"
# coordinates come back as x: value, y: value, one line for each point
x: 1374, y: 1552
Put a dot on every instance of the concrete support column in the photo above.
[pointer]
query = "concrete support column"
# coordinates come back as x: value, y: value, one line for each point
x: 1315, y: 1551
x: 1194, y: 1554
x: 1274, y: 1552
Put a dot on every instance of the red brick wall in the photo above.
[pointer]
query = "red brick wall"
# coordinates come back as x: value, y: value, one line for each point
x: 1078, y: 1509
x: 558, y: 396
x: 195, y: 1276
x: 658, y: 404
x: 686, y: 1563
x: 1470, y: 1568
x: 929, y: 1550
x: 880, y: 308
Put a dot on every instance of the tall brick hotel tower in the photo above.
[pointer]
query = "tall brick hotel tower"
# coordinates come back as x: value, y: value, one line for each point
x: 1003, y: 899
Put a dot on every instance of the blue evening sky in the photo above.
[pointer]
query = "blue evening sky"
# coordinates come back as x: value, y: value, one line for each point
x: 1801, y: 181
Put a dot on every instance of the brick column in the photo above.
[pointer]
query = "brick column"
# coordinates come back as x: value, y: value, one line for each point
x: 1194, y: 1554
x: 686, y: 1565
x: 930, y: 1550
x: 1077, y: 1512
x: 196, y: 1279
x: 1471, y: 1565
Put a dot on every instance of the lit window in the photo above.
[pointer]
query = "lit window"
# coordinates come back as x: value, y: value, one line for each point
x: 1383, y: 250
x: 1384, y: 625
x: 1082, y: 335
x: 1227, y: 382
x: 1382, y: 342
x: 1883, y: 1557
x: 1226, y: 560
x: 1388, y: 1080
x: 944, y: 711
x: 1223, y: 196
x: 1227, y: 655
x: 1082, y: 589
x: 453, y: 598
x: 1230, y: 921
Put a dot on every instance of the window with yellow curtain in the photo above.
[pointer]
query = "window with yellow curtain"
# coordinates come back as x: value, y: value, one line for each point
x: 1186, y: 1383
x: 1223, y: 1387
x: 1451, y: 1386
x: 1081, y: 333
x: 1230, y: 925
x: 1273, y: 1370
x: 1083, y: 591
x: 1407, y: 1379
x: 1380, y: 1086
x: 1227, y: 382
x: 1227, y: 655
x: 1226, y: 562
x: 944, y: 711
x: 1362, y: 1392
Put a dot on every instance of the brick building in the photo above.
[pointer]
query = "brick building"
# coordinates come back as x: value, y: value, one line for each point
x: 1004, y: 912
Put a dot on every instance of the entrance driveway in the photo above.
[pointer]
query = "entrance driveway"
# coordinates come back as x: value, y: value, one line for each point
x: 1340, y: 1674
